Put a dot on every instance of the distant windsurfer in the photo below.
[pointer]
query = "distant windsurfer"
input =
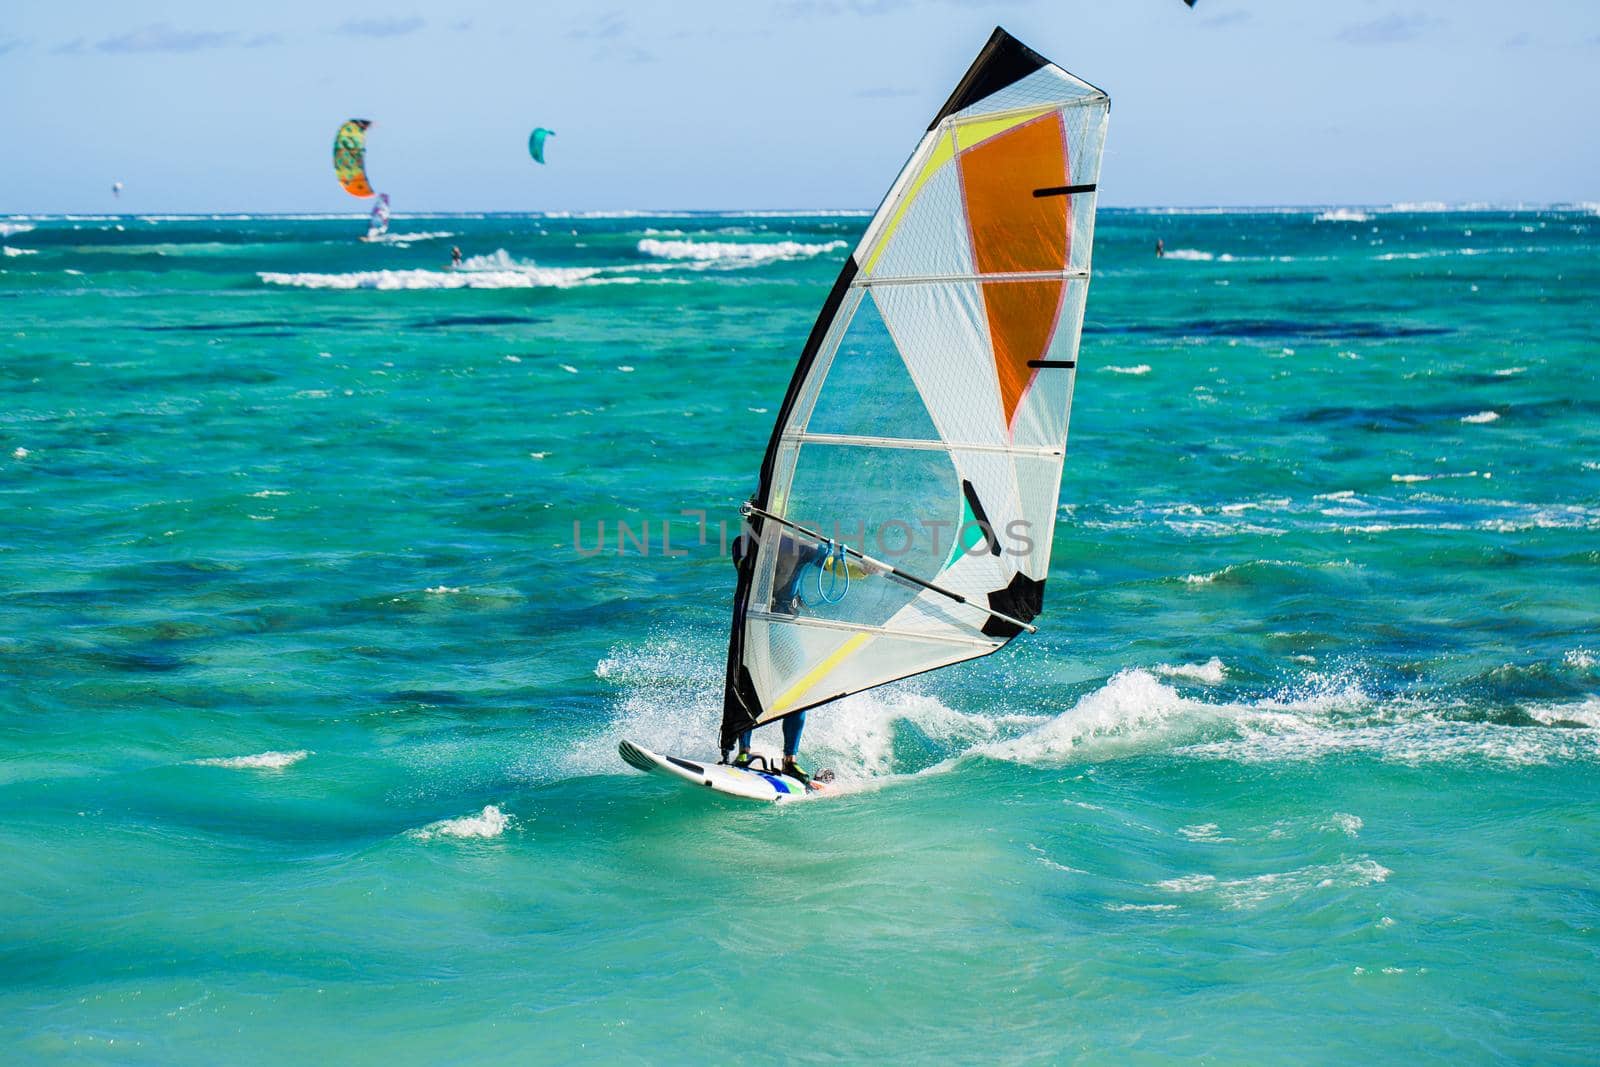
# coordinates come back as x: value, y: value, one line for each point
x: 455, y: 257
x: 1161, y: 248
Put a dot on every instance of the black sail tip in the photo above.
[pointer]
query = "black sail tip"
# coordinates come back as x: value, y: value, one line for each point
x: 1003, y: 61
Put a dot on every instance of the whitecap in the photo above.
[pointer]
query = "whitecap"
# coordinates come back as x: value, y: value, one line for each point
x: 734, y: 252
x: 1240, y: 893
x: 1192, y: 254
x: 1142, y: 368
x: 10, y: 252
x: 1480, y: 417
x: 490, y: 822
x: 264, y: 761
x: 1210, y: 672
x: 1344, y: 214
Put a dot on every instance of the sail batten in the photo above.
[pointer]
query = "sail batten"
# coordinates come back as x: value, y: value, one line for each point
x: 927, y: 416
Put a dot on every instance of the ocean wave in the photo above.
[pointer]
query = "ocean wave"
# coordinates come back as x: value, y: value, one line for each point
x: 1344, y: 214
x: 1211, y: 672
x: 268, y: 761
x: 11, y: 229
x: 1245, y: 572
x: 1410, y: 478
x: 488, y: 823
x: 403, y: 239
x: 496, y: 270
x: 671, y: 700
x: 735, y: 252
x: 9, y: 251
x: 1141, y: 368
x: 1481, y: 417
x: 1242, y: 893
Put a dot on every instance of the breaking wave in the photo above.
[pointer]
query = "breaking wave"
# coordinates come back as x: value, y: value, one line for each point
x: 668, y: 697
x: 11, y: 229
x: 1344, y: 214
x: 734, y: 252
x: 265, y: 761
x: 490, y: 822
x: 497, y: 270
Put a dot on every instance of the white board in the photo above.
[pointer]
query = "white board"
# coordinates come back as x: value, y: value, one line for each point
x: 733, y: 781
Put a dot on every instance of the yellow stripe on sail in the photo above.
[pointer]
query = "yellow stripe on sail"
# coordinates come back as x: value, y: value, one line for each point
x: 943, y: 152
x: 792, y: 695
x: 971, y: 133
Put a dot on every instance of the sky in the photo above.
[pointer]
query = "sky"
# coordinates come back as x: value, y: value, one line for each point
x: 749, y: 104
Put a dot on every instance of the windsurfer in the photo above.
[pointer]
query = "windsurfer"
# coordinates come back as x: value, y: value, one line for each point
x: 789, y: 568
x: 455, y: 257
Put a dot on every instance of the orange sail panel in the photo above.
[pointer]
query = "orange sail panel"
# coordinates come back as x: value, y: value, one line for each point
x: 1014, y: 231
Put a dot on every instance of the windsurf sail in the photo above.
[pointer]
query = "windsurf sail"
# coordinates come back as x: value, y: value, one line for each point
x: 536, y: 143
x: 379, y: 223
x: 921, y: 440
x: 350, y: 157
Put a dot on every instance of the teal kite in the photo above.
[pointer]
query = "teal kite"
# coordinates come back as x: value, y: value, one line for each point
x: 536, y: 143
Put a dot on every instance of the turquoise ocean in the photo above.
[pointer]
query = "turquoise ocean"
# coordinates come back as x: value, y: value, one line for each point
x: 309, y: 703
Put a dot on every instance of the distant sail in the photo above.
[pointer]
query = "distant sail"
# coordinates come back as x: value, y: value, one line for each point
x: 924, y: 430
x: 379, y: 224
x: 350, y: 157
x: 116, y: 189
x: 536, y: 143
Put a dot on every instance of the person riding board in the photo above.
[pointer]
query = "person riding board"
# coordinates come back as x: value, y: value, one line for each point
x: 789, y: 568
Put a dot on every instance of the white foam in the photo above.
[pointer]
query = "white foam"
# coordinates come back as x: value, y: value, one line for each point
x: 671, y: 701
x: 11, y: 229
x: 1142, y: 368
x: 261, y: 761
x: 1581, y: 659
x: 1239, y: 893
x: 1132, y: 703
x: 20, y: 453
x: 404, y: 239
x: 734, y: 252
x: 1507, y: 372
x: 490, y: 822
x: 1191, y: 254
x: 520, y: 278
x: 10, y: 252
x: 1347, y: 824
x: 1409, y: 478
x: 1482, y: 416
x: 1206, y: 831
x: 1584, y: 714
x: 1211, y: 672
x: 1344, y: 214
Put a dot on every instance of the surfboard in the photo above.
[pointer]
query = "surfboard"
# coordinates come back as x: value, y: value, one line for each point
x: 718, y: 777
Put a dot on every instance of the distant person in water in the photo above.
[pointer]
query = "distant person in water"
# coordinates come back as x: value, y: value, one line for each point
x: 1161, y: 248
x: 455, y: 257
